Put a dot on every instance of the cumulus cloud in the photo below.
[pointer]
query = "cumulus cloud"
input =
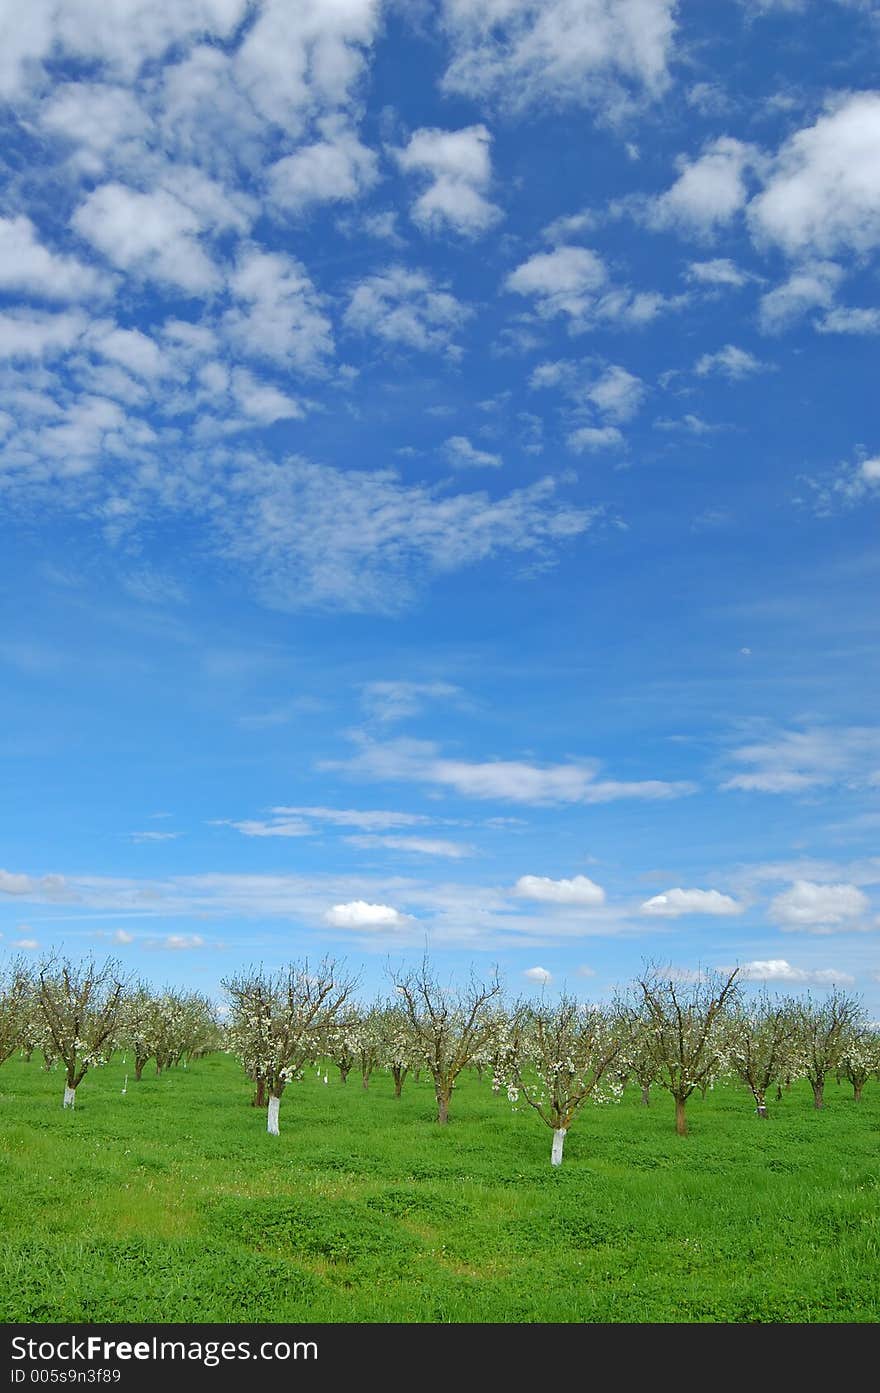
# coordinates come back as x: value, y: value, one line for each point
x: 671, y: 904
x: 779, y: 970
x: 811, y: 286
x: 574, y: 282
x: 607, y: 54
x: 26, y: 265
x: 709, y: 191
x: 822, y: 191
x: 539, y: 975
x: 730, y: 362
x: 593, y: 438
x: 579, y: 890
x: 154, y: 235
x: 719, y: 271
x: 458, y: 165
x: 357, y: 914
x: 279, y: 314
x: 406, y: 309
x: 463, y: 455
x: 335, y: 169
x: 819, y: 908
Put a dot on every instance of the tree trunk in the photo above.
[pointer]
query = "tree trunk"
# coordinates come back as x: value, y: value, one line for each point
x: 442, y: 1107
x: 343, y: 1073
x: 819, y: 1094
x: 681, y: 1126
x: 365, y: 1080
x: 272, y: 1120
x: 857, y: 1092
x: 259, y: 1098
x: 646, y: 1094
x: 558, y: 1144
x: 398, y: 1075
x: 69, y: 1096
x: 760, y: 1104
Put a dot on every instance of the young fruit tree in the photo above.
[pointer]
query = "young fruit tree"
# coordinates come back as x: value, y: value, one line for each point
x: 79, y: 1016
x: 682, y: 1026
x: 561, y: 1056
x: 859, y: 1059
x: 341, y: 1047
x: 823, y: 1030
x: 16, y: 994
x: 397, y: 1050
x: 763, y: 1047
x: 278, y: 1025
x: 450, y: 1027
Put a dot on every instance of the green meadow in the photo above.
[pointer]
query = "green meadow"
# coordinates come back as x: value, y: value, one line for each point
x: 170, y: 1203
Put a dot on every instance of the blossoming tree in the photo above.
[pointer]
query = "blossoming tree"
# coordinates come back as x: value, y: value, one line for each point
x: 279, y: 1024
x: 823, y: 1029
x: 563, y: 1054
x: 682, y: 1022
x: 449, y: 1026
x: 763, y: 1047
x: 79, y: 1007
x: 16, y: 993
x: 859, y: 1059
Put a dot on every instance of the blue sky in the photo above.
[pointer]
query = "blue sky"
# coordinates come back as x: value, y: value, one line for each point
x: 439, y: 480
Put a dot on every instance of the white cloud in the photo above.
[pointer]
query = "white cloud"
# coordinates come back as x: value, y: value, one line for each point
x: 574, y: 282
x: 539, y: 975
x: 421, y: 846
x: 507, y: 780
x: 29, y: 334
x: 139, y: 837
x: 395, y: 701
x: 178, y: 943
x: 730, y: 362
x: 811, y: 286
x: 122, y: 36
x: 579, y: 890
x: 597, y: 53
x: 822, y: 192
x: 337, y: 168
x: 300, y: 58
x: 845, y: 319
x: 406, y: 308
x: 285, y: 827
x: 29, y: 267
x: 28, y: 944
x: 121, y: 937
x: 708, y: 192
x: 594, y: 438
x: 150, y: 234
x: 796, y: 761
x: 459, y: 167
x: 463, y: 455
x: 314, y: 536
x: 819, y: 908
x: 720, y: 271
x: 673, y: 903
x: 280, y: 314
x: 564, y: 281
x: 778, y: 970
x: 367, y: 819
x: 357, y: 914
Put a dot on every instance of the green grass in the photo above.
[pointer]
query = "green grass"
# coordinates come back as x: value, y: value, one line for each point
x: 172, y: 1204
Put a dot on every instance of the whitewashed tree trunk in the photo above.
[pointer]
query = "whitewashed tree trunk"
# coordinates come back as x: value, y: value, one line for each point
x: 558, y: 1144
x: 69, y: 1096
x: 272, y: 1119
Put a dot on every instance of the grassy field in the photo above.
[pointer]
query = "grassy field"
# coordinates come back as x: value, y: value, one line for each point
x: 172, y: 1204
